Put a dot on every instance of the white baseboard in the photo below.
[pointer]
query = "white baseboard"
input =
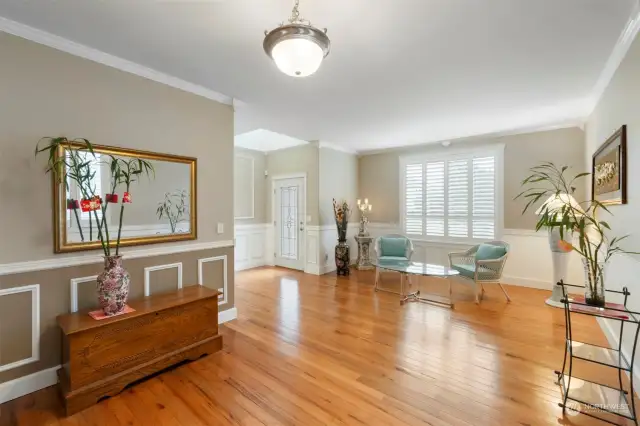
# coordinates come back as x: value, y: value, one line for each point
x: 28, y: 384
x: 526, y: 282
x: 228, y: 315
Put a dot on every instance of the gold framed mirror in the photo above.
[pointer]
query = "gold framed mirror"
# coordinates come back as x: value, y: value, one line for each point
x: 159, y: 206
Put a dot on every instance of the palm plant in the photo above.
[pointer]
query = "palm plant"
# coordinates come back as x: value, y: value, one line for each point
x: 594, y: 245
x: 71, y: 160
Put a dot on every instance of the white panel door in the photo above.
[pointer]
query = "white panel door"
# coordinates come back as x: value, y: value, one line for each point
x: 289, y: 223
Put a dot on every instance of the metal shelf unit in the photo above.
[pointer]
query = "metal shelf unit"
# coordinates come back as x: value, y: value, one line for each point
x: 598, y: 397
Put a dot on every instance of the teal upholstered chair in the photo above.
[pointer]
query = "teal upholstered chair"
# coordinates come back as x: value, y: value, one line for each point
x: 392, y: 247
x: 482, y: 264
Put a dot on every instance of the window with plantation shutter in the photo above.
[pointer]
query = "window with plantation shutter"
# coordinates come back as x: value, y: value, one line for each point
x: 451, y: 197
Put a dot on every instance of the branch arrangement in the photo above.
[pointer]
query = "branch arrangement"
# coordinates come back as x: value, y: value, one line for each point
x: 341, y: 212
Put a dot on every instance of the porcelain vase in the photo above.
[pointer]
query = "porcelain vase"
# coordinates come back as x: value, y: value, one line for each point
x: 113, y: 286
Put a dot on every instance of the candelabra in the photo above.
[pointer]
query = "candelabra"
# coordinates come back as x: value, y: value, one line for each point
x: 364, y: 209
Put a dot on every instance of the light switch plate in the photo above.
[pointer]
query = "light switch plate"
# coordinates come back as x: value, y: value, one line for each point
x: 220, y: 228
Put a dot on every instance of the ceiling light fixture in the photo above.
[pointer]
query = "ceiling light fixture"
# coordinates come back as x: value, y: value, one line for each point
x: 296, y: 46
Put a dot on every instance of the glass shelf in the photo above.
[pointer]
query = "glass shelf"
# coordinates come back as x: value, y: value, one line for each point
x: 598, y: 397
x: 599, y: 354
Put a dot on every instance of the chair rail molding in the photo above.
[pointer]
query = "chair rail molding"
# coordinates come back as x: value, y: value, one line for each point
x: 34, y: 289
x: 149, y: 269
x: 224, y: 289
x: 64, y: 262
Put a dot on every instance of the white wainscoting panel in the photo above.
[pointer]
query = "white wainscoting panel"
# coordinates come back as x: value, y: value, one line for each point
x: 149, y: 269
x: 252, y: 246
x: 222, y: 299
x: 312, y: 251
x: 35, y: 324
x: 74, y: 289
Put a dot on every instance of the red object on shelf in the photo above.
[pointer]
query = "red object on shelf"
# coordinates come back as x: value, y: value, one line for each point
x: 126, y: 198
x: 112, y: 198
x: 607, y: 311
x: 73, y: 204
x: 91, y: 204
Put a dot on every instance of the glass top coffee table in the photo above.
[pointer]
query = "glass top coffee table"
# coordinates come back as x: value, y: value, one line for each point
x: 409, y: 268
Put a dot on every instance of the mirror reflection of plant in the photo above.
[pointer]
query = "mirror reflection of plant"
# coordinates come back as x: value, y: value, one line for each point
x: 72, y: 159
x: 175, y: 207
x: 594, y: 245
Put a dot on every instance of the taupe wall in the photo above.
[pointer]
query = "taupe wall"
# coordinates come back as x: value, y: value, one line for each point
x: 247, y: 190
x: 45, y: 92
x: 299, y: 159
x: 338, y: 178
x: 379, y: 173
x: 55, y: 299
x: 619, y: 105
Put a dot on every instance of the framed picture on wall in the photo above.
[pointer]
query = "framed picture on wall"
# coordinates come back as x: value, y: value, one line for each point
x: 609, y: 170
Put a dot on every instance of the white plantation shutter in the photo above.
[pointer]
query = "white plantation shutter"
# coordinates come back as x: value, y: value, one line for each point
x: 435, y: 199
x: 414, y: 199
x: 458, y: 199
x: 484, y: 200
x: 452, y: 199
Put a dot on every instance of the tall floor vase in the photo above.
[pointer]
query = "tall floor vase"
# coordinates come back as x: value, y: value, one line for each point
x: 342, y: 258
x: 113, y: 286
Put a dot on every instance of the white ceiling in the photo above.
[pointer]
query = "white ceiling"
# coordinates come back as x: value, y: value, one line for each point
x: 265, y: 140
x: 400, y: 72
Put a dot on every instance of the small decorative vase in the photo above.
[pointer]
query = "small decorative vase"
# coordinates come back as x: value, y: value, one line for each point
x: 113, y: 286
x: 342, y: 257
x: 594, y: 284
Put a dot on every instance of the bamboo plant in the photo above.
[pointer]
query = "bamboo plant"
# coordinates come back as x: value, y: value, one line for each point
x: 71, y: 160
x: 595, y: 246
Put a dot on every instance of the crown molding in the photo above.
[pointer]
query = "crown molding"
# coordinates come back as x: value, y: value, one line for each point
x: 329, y: 145
x: 483, y: 137
x: 82, y: 51
x: 627, y: 36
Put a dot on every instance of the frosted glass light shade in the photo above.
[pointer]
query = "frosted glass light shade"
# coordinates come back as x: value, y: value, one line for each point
x: 297, y: 57
x: 556, y: 202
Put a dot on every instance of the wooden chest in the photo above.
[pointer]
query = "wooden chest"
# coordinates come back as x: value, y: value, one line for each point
x: 100, y: 358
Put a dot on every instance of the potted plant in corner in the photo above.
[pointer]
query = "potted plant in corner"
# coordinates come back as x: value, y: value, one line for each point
x: 341, y: 212
x: 577, y: 219
x: 71, y: 160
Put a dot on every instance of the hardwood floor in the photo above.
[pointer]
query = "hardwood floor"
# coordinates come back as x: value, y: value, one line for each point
x: 310, y: 350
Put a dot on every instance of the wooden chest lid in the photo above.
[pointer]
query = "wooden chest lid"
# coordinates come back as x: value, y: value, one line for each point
x: 81, y: 321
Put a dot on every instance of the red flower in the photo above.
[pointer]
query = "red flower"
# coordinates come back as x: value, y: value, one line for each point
x: 112, y: 198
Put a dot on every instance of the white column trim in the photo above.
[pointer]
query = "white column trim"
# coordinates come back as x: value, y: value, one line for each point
x: 74, y: 290
x: 253, y: 187
x: 149, y: 269
x: 225, y: 287
x: 35, y: 324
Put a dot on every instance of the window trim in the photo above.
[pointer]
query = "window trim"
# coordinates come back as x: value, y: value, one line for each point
x: 495, y: 150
